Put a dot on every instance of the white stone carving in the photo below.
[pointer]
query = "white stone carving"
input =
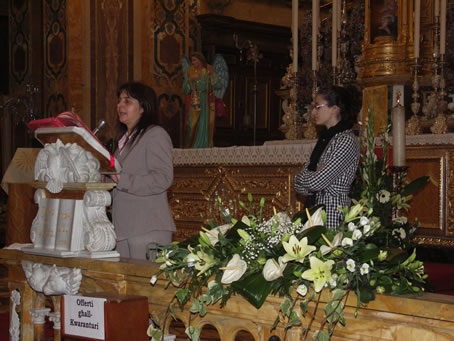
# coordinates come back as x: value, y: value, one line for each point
x: 99, y: 231
x: 14, y: 322
x: 55, y: 317
x: 52, y: 280
x: 59, y: 163
x: 39, y: 315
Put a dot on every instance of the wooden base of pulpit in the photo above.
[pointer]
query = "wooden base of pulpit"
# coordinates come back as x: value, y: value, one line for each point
x: 125, y: 318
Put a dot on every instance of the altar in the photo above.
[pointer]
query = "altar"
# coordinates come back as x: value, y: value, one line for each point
x: 425, y: 317
x: 202, y: 175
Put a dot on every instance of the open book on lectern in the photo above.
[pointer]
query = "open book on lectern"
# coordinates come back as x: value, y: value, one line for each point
x: 68, y: 128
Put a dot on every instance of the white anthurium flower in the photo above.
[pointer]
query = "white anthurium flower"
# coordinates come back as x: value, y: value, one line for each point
x: 383, y: 196
x: 214, y: 233
x: 302, y: 290
x: 319, y: 273
x: 357, y: 234
x: 351, y: 265
x: 153, y: 280
x: 346, y: 242
x: 351, y: 226
x: 273, y: 270
x: 234, y: 269
x: 282, y: 218
x: 316, y: 219
x: 364, y: 220
x: 364, y: 269
x: 324, y: 249
x: 297, y: 249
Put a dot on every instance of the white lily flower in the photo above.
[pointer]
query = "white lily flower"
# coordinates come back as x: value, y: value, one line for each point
x: 357, y: 234
x: 273, y: 270
x: 297, y: 249
x: 214, y: 233
x: 319, y: 273
x: 302, y: 290
x: 351, y: 265
x: 364, y: 269
x: 234, y: 269
x: 347, y: 242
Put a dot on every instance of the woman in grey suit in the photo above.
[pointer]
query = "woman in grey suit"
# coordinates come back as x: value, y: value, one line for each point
x: 140, y: 210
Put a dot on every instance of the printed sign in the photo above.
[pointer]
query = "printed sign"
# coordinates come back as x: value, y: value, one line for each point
x: 84, y: 316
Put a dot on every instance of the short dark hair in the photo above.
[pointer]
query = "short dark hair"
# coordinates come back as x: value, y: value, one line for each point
x: 147, y: 101
x: 348, y: 99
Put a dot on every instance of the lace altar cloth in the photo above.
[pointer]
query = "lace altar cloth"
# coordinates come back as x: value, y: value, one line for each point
x: 269, y: 154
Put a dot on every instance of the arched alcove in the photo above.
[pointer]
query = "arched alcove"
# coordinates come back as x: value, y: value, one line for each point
x: 209, y: 333
x: 177, y: 328
x: 244, y: 335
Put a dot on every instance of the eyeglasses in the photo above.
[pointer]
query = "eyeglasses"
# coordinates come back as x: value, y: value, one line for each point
x: 318, y: 106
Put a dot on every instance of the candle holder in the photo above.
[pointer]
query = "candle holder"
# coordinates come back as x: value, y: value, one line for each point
x: 399, y: 174
x: 413, y: 126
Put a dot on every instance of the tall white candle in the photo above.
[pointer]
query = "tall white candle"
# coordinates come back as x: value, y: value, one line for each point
x: 436, y: 8
x: 398, y: 123
x: 443, y: 27
x: 417, y: 21
x: 295, y: 34
x: 315, y: 11
x: 334, y: 33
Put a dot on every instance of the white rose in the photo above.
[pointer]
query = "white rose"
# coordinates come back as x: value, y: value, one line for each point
x: 351, y: 226
x: 347, y: 242
x: 364, y: 220
x: 357, y: 234
x: 351, y: 265
x: 302, y: 290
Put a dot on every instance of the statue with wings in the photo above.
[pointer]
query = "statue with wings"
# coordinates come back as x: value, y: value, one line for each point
x: 204, y: 86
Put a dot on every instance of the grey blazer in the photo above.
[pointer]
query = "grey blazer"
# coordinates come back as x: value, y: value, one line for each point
x: 140, y: 202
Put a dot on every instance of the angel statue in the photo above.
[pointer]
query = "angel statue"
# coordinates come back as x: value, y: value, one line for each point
x: 204, y: 86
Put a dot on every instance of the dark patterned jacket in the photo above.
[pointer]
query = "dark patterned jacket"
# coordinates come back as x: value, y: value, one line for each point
x: 335, y: 173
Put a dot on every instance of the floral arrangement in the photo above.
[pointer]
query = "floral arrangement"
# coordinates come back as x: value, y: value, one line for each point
x: 297, y: 257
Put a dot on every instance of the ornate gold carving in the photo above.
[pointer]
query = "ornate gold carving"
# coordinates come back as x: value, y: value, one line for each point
x: 193, y: 194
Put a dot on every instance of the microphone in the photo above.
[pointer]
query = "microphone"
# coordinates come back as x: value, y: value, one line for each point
x: 101, y: 125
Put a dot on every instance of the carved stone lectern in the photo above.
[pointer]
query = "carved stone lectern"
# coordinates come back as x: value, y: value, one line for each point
x: 71, y: 219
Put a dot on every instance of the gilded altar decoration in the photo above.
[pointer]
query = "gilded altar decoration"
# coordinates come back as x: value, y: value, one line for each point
x: 440, y: 125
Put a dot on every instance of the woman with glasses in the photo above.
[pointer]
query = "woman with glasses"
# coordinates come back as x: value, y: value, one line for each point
x: 327, y: 177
